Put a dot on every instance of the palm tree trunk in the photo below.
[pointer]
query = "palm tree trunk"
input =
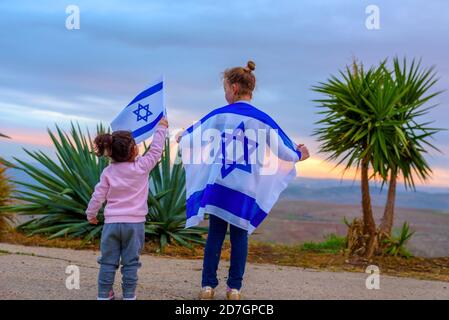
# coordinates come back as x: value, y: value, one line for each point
x: 369, y: 225
x: 387, y: 220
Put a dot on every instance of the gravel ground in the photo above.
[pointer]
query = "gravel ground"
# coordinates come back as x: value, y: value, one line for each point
x: 39, y: 273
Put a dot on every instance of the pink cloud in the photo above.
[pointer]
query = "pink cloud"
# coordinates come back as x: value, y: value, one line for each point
x: 31, y: 137
x: 316, y: 167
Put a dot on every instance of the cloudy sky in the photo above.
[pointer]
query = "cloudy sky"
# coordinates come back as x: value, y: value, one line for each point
x: 49, y: 74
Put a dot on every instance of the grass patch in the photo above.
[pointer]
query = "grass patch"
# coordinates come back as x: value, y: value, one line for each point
x: 332, y: 244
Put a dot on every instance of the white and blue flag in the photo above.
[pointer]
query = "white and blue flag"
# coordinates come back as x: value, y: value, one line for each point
x: 143, y: 113
x: 237, y: 162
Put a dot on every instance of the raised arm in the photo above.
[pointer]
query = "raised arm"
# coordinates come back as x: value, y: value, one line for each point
x: 98, y: 198
x: 151, y: 158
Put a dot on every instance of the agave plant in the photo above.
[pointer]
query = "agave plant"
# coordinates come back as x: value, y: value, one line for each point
x: 56, y: 202
x: 167, y: 204
x: 395, y: 245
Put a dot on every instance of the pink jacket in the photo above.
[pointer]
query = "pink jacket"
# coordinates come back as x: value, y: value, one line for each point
x: 124, y: 186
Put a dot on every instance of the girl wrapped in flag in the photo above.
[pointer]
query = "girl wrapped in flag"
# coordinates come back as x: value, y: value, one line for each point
x: 237, y: 162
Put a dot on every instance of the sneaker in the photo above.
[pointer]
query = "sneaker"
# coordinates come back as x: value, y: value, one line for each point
x: 207, y: 293
x: 133, y: 298
x: 110, y: 297
x: 233, y: 294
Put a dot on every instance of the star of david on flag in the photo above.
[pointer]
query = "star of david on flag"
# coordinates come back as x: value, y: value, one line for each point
x: 234, y: 162
x: 143, y: 113
x: 139, y: 115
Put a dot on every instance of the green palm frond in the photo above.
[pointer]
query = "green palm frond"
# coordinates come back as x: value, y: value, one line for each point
x: 413, y: 134
x: 354, y: 124
x: 376, y: 115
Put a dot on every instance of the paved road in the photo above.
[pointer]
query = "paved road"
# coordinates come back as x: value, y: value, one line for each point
x: 39, y: 273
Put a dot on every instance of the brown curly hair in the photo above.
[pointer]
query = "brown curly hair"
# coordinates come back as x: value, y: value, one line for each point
x: 119, y: 145
x: 243, y: 76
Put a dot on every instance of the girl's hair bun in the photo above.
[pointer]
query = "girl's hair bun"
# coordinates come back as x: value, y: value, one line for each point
x: 243, y: 77
x: 120, y: 145
x: 251, y: 66
x: 103, y: 143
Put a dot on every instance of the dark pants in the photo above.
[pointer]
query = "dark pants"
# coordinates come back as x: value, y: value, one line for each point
x: 212, y: 252
x: 120, y: 242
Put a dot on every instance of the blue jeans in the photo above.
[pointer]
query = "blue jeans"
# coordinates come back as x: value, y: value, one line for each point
x: 120, y: 242
x: 212, y: 253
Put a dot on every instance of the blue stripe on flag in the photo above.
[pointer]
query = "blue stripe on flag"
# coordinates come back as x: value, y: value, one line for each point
x: 233, y: 201
x: 148, y: 92
x: 147, y: 127
x: 245, y: 109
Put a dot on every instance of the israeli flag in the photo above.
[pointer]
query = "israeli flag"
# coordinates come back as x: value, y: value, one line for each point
x: 143, y: 113
x: 237, y: 162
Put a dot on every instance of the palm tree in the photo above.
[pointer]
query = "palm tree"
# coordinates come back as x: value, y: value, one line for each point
x: 353, y: 131
x: 370, y: 120
x: 407, y: 143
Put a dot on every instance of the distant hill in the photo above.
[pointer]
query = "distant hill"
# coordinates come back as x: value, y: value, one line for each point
x: 332, y: 191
